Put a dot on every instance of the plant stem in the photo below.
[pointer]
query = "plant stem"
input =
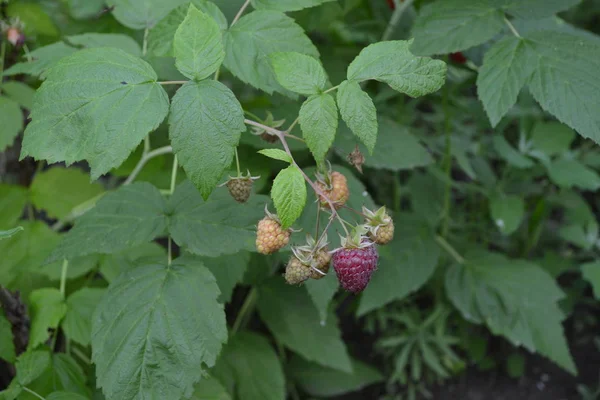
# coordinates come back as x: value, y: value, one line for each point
x: 174, y: 175
x: 448, y: 247
x: 145, y: 43
x: 448, y: 165
x: 395, y: 20
x: 240, y: 12
x: 330, y: 90
x: 39, y: 396
x: 63, y: 277
x: 145, y: 158
x: 2, y: 55
x: 237, y: 163
x: 147, y: 145
x: 292, y: 126
x: 252, y: 115
x: 81, y: 356
x: 246, y: 307
x: 512, y: 27
x: 173, y: 82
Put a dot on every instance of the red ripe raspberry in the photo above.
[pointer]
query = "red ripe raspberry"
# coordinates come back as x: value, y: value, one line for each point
x: 355, y: 266
x: 391, y: 4
x: 336, y: 190
x: 270, y: 236
x: 458, y: 58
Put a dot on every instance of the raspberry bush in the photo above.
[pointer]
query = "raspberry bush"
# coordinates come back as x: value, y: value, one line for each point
x: 429, y: 166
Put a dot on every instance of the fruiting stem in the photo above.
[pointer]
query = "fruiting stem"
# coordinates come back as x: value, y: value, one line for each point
x: 145, y: 158
x: 355, y: 211
x: 246, y: 307
x: 448, y: 247
x: 252, y: 115
x: 318, y: 221
x: 395, y: 20
x: 240, y: 12
x: 512, y: 27
x: 237, y: 163
x: 63, y: 277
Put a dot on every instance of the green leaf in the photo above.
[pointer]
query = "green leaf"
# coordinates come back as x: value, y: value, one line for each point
x: 67, y: 375
x: 405, y: 265
x: 48, y: 308
x: 160, y: 39
x: 112, y: 265
x: 42, y: 60
x: 447, y: 26
x: 30, y: 365
x: 84, y: 9
x: 326, y: 382
x: 319, y: 121
x: 591, y: 273
x: 301, y: 330
x: 506, y: 69
x: 252, y: 367
x: 359, y: 113
x: 12, y: 201
x: 254, y: 37
x: 206, y: 123
x: 58, y: 190
x: 276, y: 154
x: 289, y: 195
x: 77, y: 267
x: 515, y: 299
x: 131, y: 215
x: 12, y: 122
x: 509, y: 154
x: 19, y: 92
x: 10, y: 233
x: 566, y: 79
x: 321, y: 292
x: 35, y: 20
x: 286, y: 5
x: 229, y: 271
x: 65, y: 396
x: 141, y: 14
x: 160, y: 346
x: 117, y: 40
x: 7, y: 345
x: 210, y: 389
x: 552, y: 137
x: 198, y: 45
x: 77, y: 324
x: 214, y: 227
x: 393, y: 63
x: 507, y: 212
x: 98, y: 116
x: 569, y: 173
x: 299, y: 73
x: 536, y: 9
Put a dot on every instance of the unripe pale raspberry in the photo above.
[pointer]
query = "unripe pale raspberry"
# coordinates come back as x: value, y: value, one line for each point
x: 337, y: 191
x: 296, y: 272
x: 322, y: 261
x: 240, y: 188
x: 354, y: 267
x: 270, y: 236
x: 383, y: 234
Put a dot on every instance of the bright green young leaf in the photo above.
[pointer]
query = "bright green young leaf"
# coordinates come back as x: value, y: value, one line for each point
x: 140, y: 330
x: 141, y: 14
x: 198, y: 45
x: 214, y: 227
x: 160, y: 39
x: 591, y: 273
x: 129, y: 216
x: 286, y: 5
x: 12, y: 122
x: 447, y: 26
x: 208, y: 388
x: 299, y: 73
x: 58, y: 190
x: 41, y: 60
x: 289, y: 195
x: 47, y: 309
x: 393, y: 63
x: 10, y: 233
x: 249, y: 366
x: 35, y: 20
x: 117, y: 40
x: 515, y: 299
x: 7, y: 345
x: 569, y: 173
x: 404, y: 266
x: 321, y: 292
x: 509, y: 154
x: 112, y: 265
x: 65, y: 396
x: 507, y: 212
x: 84, y: 9
x: 206, y: 122
x: 19, y: 92
x: 301, y: 330
x: 326, y: 382
x: 95, y: 105
x: 276, y: 154
x: 359, y: 113
x: 254, y: 37
x: 536, y: 9
x: 319, y: 121
x: 77, y: 324
x: 228, y: 271
x: 552, y: 138
x: 505, y: 70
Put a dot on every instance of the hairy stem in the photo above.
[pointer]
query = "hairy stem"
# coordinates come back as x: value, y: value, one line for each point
x: 395, y: 20
x: 145, y: 158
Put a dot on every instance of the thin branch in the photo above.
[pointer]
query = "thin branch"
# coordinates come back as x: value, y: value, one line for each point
x: 512, y: 27
x: 145, y: 158
x: 240, y: 12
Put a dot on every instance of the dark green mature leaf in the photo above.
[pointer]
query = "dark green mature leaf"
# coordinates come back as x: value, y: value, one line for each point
x: 77, y: 267
x: 569, y: 173
x: 301, y: 330
x: 359, y: 113
x: 198, y: 45
x: 10, y: 233
x: 77, y: 324
x: 405, y: 265
x: 41, y: 60
x: 58, y: 190
x: 160, y: 346
x: 96, y: 105
x: 67, y: 375
x: 12, y: 201
x: 129, y: 216
x: 83, y: 9
x: 254, y: 37
x: 47, y: 308
x: 505, y: 70
x: 393, y: 63
x: 117, y: 40
x: 19, y: 92
x: 65, y: 396
x: 289, y: 195
x: 446, y: 26
x: 566, y: 79
x: 160, y: 39
x: 552, y: 138
x: 326, y: 382
x: 251, y: 368
x: 112, y: 265
x: 591, y: 273
x: 141, y: 14
x: 229, y: 271
x: 29, y: 366
x: 7, y: 345
x: 507, y: 212
x: 12, y: 121
x: 286, y: 5
x: 210, y: 389
x: 299, y: 73
x: 319, y: 121
x: 206, y: 122
x: 214, y: 227
x: 509, y: 154
x: 515, y: 299
x: 535, y: 9
x: 321, y: 292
